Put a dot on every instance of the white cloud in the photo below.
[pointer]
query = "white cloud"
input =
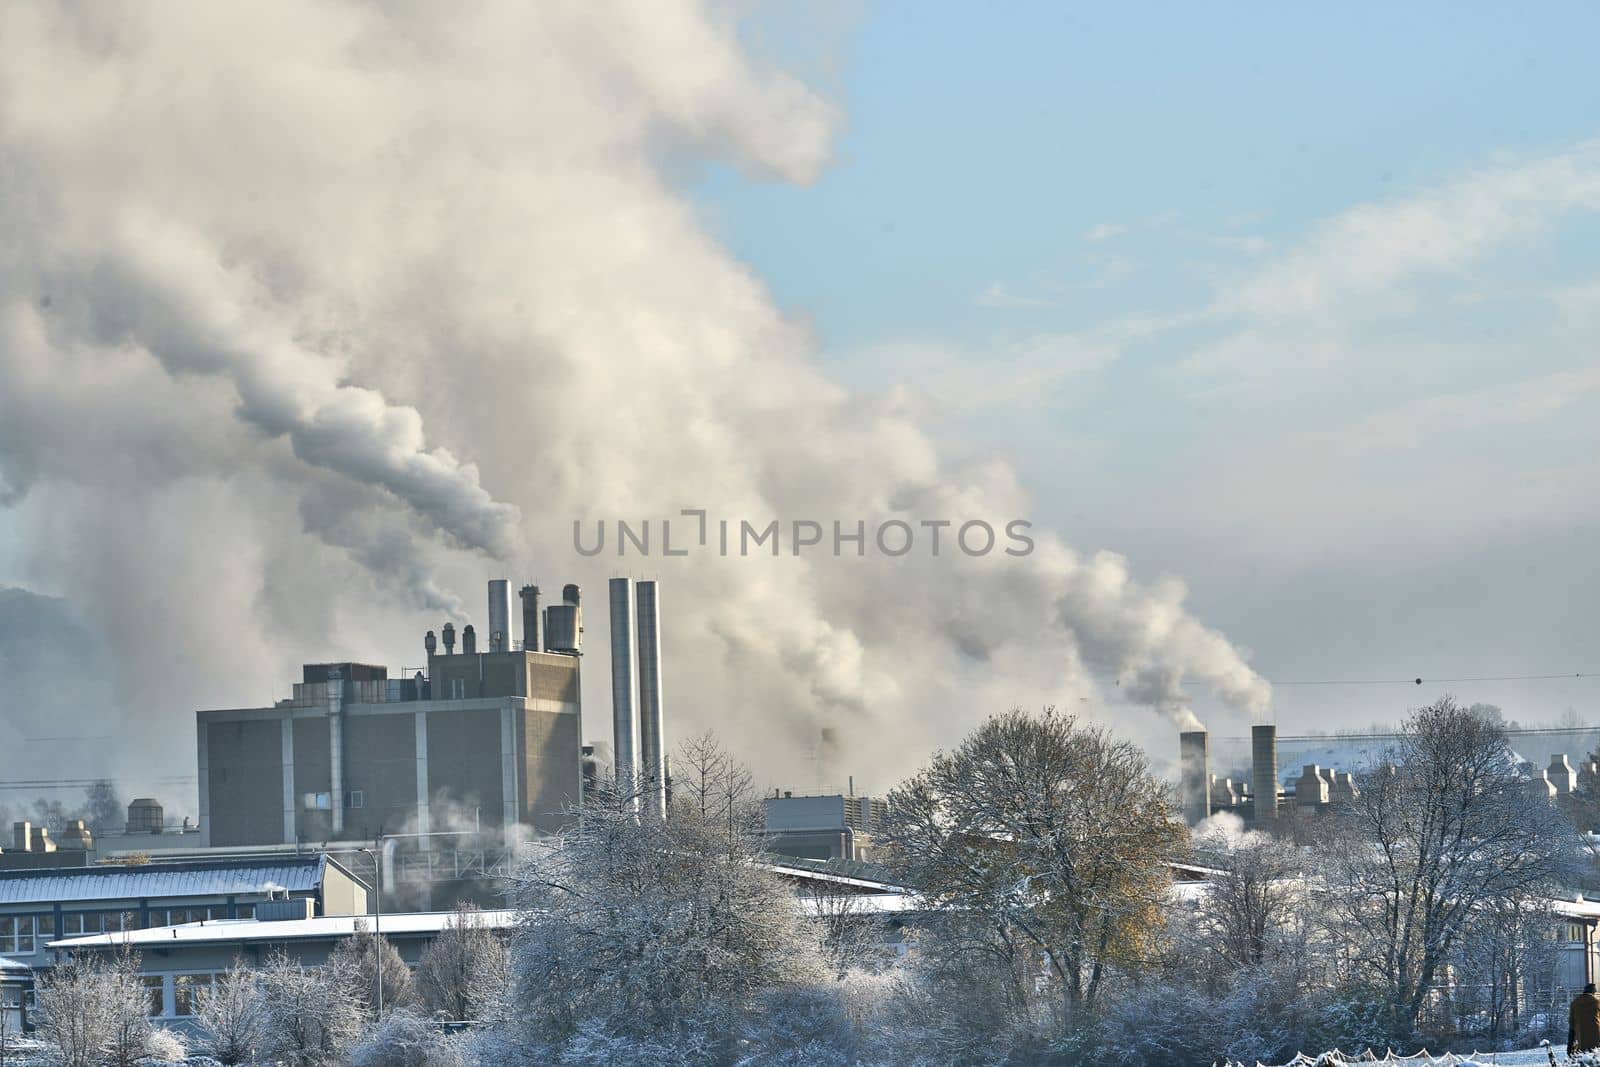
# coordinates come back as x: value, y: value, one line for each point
x: 1104, y: 231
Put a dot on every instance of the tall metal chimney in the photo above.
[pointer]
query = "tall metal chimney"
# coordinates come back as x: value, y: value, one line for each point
x: 1264, y: 773
x: 530, y: 619
x: 569, y: 594
x: 335, y: 690
x: 624, y: 723
x: 499, y: 615
x: 430, y: 644
x: 469, y: 640
x: 449, y: 634
x: 1195, y: 776
x: 652, y: 767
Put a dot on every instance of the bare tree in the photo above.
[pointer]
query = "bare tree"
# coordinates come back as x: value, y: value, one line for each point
x: 1447, y: 830
x: 1041, y: 839
x: 463, y: 972
x: 234, y: 1016
x: 313, y: 1017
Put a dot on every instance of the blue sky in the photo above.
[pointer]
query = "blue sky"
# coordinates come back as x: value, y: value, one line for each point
x: 1074, y: 234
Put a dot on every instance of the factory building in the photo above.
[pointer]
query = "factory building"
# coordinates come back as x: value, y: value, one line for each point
x: 481, y: 739
x: 1261, y: 799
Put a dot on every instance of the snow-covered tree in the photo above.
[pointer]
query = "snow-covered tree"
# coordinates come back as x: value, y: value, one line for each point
x: 313, y: 1016
x: 360, y: 958
x: 463, y: 972
x: 1448, y: 829
x: 234, y: 1016
x: 658, y: 932
x: 404, y: 1039
x: 96, y: 1011
x: 1042, y: 843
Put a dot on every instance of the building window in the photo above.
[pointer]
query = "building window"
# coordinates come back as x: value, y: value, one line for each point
x: 16, y: 935
x: 355, y: 799
x: 245, y: 911
x: 73, y: 924
x: 155, y: 987
x: 189, y: 993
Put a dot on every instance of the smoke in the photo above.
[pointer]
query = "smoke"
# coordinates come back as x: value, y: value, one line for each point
x: 315, y: 315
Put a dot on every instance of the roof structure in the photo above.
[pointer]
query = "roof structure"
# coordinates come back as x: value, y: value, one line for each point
x: 160, y: 880
x: 255, y: 931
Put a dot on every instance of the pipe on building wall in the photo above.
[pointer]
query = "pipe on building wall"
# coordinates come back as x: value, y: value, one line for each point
x: 1194, y: 776
x: 624, y: 723
x: 1264, y: 772
x: 652, y: 768
x: 336, y: 751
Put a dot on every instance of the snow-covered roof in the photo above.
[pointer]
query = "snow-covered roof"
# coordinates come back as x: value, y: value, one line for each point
x: 14, y: 969
x: 245, y: 931
x: 164, y: 881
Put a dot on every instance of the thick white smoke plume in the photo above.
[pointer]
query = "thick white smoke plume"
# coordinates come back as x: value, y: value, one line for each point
x: 313, y: 315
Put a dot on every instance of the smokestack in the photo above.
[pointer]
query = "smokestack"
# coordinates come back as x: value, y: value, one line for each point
x: 430, y: 644
x: 469, y: 640
x: 499, y: 615
x: 651, y: 739
x: 449, y: 632
x: 530, y: 619
x: 624, y: 723
x: 569, y: 594
x: 336, y: 749
x: 1195, y: 776
x: 1264, y: 772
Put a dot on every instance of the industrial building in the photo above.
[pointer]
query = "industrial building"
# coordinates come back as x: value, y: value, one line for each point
x: 41, y: 905
x: 179, y: 963
x: 1263, y: 798
x: 483, y: 739
x: 829, y: 827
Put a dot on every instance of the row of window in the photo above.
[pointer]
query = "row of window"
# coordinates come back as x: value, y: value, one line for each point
x: 23, y: 935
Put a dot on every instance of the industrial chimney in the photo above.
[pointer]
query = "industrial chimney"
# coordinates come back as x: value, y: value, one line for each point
x: 430, y: 644
x: 469, y: 640
x: 530, y: 619
x: 499, y: 615
x: 449, y: 633
x: 1194, y: 776
x: 652, y: 766
x: 624, y: 723
x: 1264, y: 773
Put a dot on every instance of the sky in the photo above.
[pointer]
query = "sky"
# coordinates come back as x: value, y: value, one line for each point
x: 1036, y: 221
x: 1276, y: 323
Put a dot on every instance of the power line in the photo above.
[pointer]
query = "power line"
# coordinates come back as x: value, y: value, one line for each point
x: 1438, y: 681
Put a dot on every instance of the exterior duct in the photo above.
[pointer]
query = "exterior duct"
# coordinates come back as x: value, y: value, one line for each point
x: 624, y: 723
x: 1195, y: 776
x: 530, y: 619
x: 499, y: 615
x: 1264, y: 772
x: 652, y: 767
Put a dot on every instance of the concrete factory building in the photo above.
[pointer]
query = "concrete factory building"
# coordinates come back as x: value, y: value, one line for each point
x: 486, y: 737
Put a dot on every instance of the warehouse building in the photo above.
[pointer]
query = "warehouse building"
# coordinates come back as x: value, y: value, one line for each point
x: 481, y: 739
